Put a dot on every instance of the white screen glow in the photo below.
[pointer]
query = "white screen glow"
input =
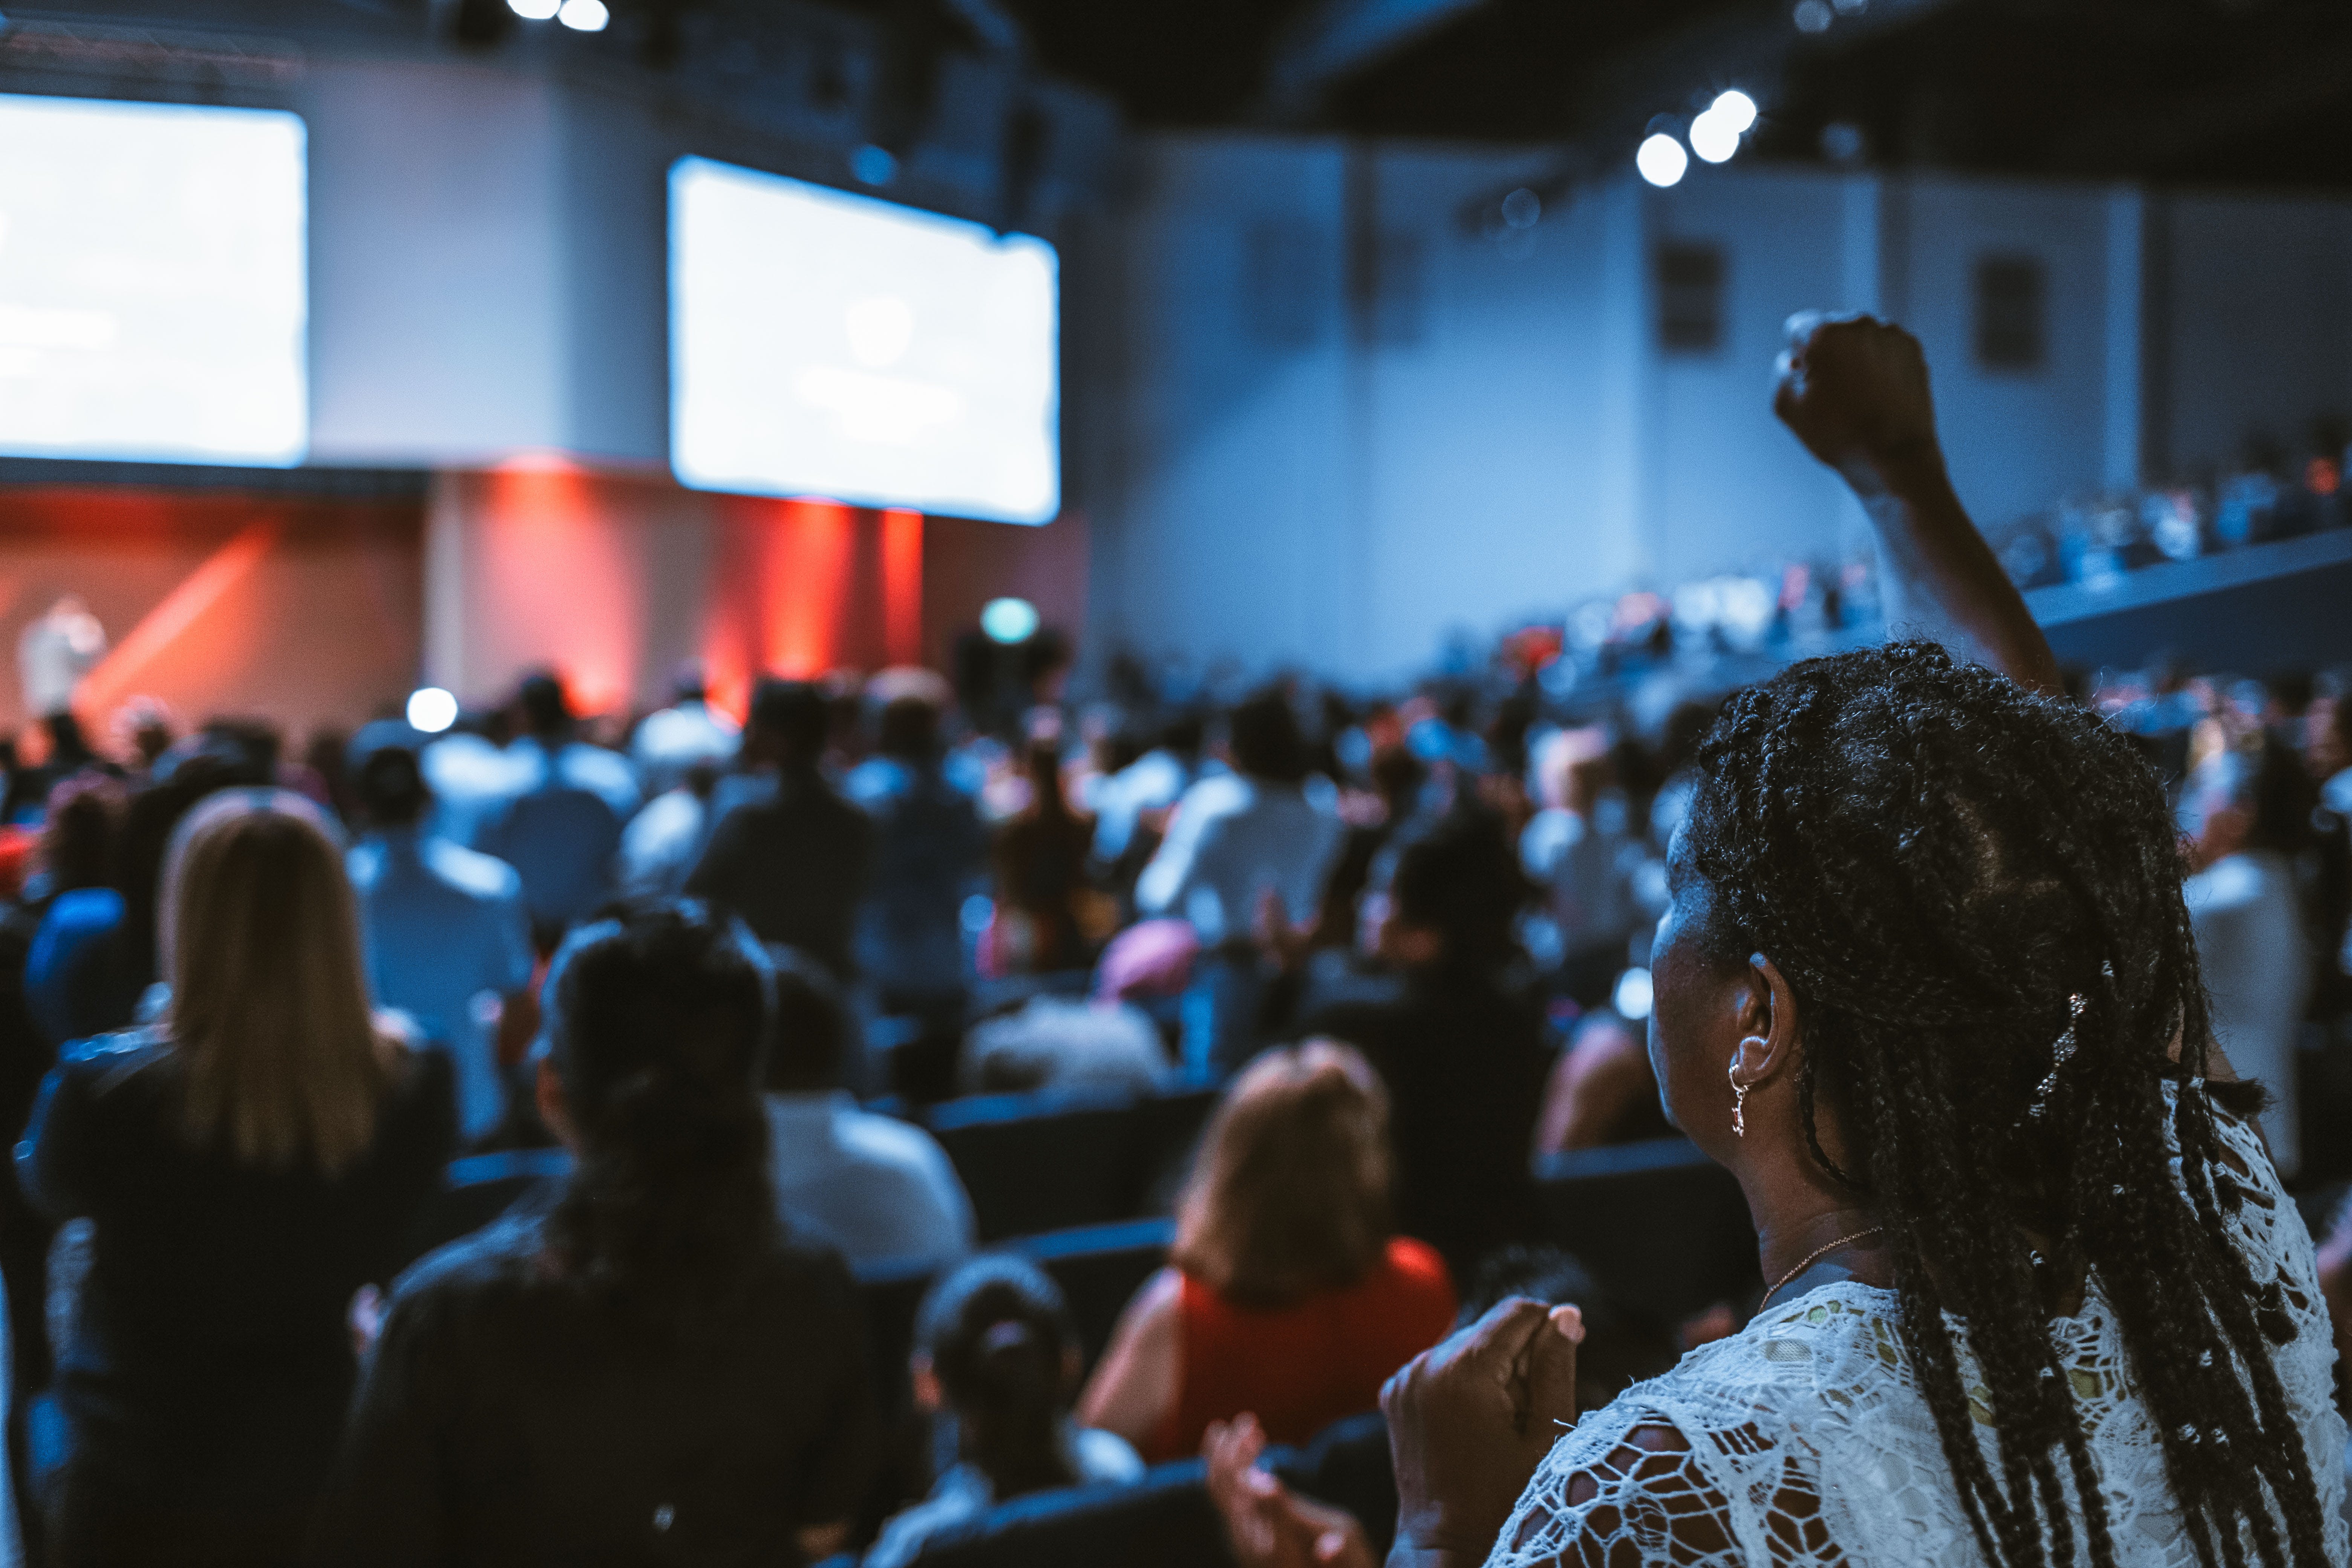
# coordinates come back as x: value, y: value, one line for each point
x: 152, y: 282
x: 829, y: 344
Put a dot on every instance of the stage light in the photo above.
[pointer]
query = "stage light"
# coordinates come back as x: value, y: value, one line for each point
x: 1635, y: 994
x: 873, y: 166
x: 432, y: 710
x: 1812, y: 17
x: 534, y: 10
x: 1736, y: 109
x: 584, y: 15
x: 1713, y: 138
x: 1009, y: 621
x: 1522, y: 209
x: 1661, y: 160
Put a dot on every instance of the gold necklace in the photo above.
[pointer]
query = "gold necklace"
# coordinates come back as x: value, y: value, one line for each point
x: 1815, y: 1257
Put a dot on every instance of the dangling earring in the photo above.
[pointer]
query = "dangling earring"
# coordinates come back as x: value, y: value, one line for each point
x: 1739, y: 1102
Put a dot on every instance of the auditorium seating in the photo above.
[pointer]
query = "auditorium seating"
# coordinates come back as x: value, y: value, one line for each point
x: 1662, y: 1227
x: 1099, y: 1269
x: 1167, y: 1521
x: 1057, y: 1159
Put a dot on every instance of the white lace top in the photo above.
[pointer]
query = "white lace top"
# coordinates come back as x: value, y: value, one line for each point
x: 1807, y: 1441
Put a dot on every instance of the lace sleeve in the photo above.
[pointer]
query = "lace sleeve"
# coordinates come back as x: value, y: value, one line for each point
x: 1624, y: 1488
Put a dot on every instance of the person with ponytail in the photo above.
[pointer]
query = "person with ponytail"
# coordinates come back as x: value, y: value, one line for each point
x: 640, y: 1367
x: 997, y: 1355
x: 248, y: 1164
x: 1926, y: 985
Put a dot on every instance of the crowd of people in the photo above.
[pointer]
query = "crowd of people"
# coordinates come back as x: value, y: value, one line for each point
x: 251, y: 1007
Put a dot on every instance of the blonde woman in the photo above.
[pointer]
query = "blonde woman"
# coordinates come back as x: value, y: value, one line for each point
x: 249, y: 1162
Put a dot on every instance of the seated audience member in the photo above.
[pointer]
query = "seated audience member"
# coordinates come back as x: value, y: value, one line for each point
x: 995, y: 1352
x: 1040, y: 861
x: 641, y: 1368
x: 1601, y: 1091
x: 1065, y: 1042
x: 2246, y: 813
x: 1374, y: 823
x: 446, y: 933
x: 688, y: 733
x: 1289, y: 1295
x: 928, y: 849
x: 560, y: 827
x: 248, y: 1163
x: 1461, y: 1046
x: 76, y: 980
x: 876, y: 1188
x: 1579, y: 852
x: 792, y: 863
x: 1130, y: 803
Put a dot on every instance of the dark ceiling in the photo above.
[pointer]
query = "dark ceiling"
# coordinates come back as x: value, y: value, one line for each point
x: 2256, y: 92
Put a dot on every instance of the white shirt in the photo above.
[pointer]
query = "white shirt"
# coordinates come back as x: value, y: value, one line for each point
x: 1588, y: 867
x: 873, y: 1186
x: 53, y: 655
x: 446, y: 935
x: 1232, y: 837
x: 658, y: 846
x: 672, y: 740
x: 1155, y: 779
x: 2251, y: 946
x: 1810, y: 1440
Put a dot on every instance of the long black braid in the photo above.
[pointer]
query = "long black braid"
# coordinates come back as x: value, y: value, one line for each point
x: 1939, y: 861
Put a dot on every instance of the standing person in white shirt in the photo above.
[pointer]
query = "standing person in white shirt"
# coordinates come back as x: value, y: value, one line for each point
x: 1578, y: 847
x: 55, y: 652
x: 445, y: 934
x: 2245, y: 813
x: 1235, y: 837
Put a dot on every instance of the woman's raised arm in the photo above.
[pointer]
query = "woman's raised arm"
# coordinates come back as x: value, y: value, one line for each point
x: 1854, y: 391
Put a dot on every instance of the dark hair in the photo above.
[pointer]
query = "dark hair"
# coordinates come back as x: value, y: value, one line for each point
x: 795, y: 714
x: 1623, y: 1344
x: 391, y: 787
x: 1264, y: 734
x: 2281, y: 796
x: 909, y: 728
x: 1461, y: 878
x: 546, y: 711
x: 812, y: 1028
x: 1937, y: 860
x: 999, y: 1335
x: 82, y: 838
x: 657, y: 1018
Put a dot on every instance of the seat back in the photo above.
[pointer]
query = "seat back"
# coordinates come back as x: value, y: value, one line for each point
x: 1047, y: 1161
x: 1662, y: 1228
x: 1165, y: 1521
x: 1099, y: 1267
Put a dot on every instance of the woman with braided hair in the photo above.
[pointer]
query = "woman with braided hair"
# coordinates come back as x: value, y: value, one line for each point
x: 1926, y: 986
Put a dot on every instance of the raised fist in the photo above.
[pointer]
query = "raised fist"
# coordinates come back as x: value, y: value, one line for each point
x: 1854, y: 391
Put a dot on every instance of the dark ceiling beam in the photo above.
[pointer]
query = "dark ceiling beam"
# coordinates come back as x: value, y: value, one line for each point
x: 1337, y: 38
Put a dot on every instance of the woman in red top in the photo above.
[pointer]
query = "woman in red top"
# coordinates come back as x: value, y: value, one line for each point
x: 1289, y: 1297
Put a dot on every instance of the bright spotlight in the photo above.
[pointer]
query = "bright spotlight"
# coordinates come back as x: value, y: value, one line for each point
x: 431, y: 710
x: 1661, y: 160
x: 1713, y: 138
x: 1634, y: 995
x: 584, y: 15
x: 1735, y: 109
x: 1009, y: 621
x: 534, y: 10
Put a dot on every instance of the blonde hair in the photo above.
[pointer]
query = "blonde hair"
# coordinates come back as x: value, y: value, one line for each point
x: 1289, y: 1194
x: 281, y: 1060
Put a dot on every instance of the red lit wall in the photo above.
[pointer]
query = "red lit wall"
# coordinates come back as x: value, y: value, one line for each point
x: 305, y: 611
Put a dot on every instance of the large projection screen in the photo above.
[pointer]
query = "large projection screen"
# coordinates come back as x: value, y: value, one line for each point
x: 829, y: 344
x: 152, y: 282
